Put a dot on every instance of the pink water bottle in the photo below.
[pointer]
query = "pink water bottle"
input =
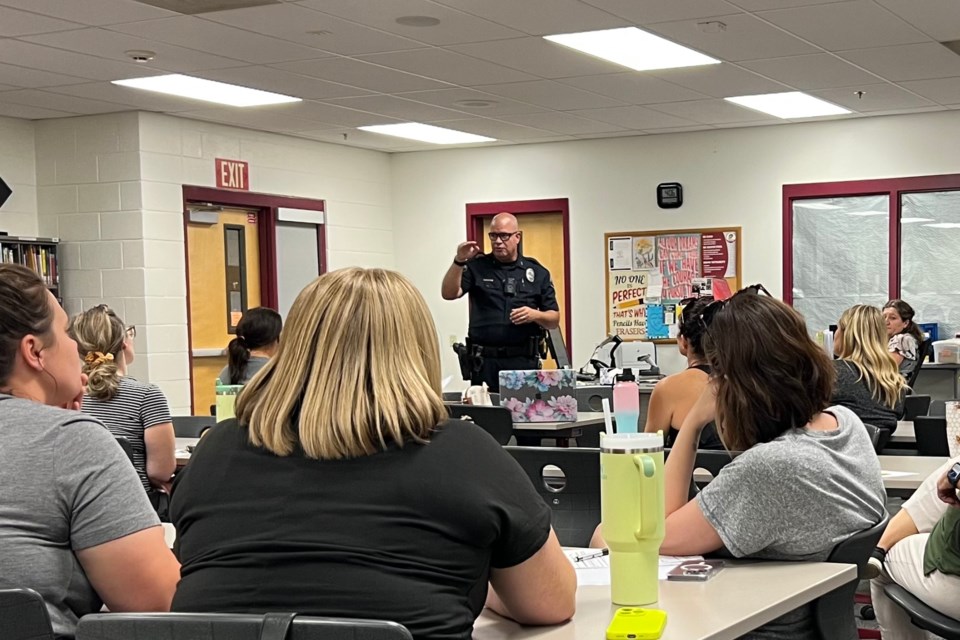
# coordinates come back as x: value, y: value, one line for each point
x: 626, y: 402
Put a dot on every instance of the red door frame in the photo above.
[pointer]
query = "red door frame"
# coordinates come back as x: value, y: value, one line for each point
x: 891, y: 187
x: 267, y: 205
x: 477, y: 211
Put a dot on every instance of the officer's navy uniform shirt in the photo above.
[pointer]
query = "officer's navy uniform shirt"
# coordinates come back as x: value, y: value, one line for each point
x: 486, y: 279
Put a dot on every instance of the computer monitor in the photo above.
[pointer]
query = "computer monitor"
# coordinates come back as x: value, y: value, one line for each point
x: 558, y: 350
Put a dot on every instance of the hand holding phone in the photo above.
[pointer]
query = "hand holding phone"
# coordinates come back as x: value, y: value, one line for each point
x: 634, y: 623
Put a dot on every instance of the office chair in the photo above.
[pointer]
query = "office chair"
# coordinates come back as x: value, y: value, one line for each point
x: 575, y: 504
x: 23, y: 616
x: 921, y: 615
x: 124, y: 443
x: 931, y: 436
x: 924, y: 350
x: 236, y: 626
x: 914, y: 406
x: 833, y: 612
x: 192, y: 426
x: 494, y: 420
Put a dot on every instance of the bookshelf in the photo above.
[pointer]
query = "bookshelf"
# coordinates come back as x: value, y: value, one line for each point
x: 39, y: 254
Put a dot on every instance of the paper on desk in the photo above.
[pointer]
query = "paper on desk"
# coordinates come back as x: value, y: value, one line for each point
x: 596, y: 571
x: 896, y: 474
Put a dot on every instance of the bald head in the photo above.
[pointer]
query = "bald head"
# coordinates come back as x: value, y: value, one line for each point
x: 504, y: 222
x: 505, y: 237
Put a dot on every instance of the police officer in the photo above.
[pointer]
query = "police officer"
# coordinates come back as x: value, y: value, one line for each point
x: 512, y: 302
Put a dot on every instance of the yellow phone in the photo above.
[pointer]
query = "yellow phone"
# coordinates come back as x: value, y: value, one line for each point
x: 633, y: 623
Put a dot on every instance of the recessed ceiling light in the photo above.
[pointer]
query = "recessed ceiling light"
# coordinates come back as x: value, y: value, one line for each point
x: 944, y: 225
x: 207, y: 90
x: 792, y: 104
x: 418, y: 21
x: 912, y: 220
x: 476, y: 104
x: 426, y: 133
x: 633, y: 48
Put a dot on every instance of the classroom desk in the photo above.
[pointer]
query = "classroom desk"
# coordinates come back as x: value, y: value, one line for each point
x: 931, y: 380
x: 585, y: 420
x: 904, y: 436
x: 183, y: 456
x: 742, y: 597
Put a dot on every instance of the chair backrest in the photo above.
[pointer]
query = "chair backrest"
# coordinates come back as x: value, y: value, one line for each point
x: 494, y: 420
x: 931, y: 436
x: 937, y: 408
x: 574, y: 504
x: 714, y: 460
x: 833, y: 612
x: 192, y: 426
x: 922, y: 352
x: 914, y: 406
x: 590, y: 397
x: 124, y: 443
x: 23, y: 616
x: 921, y: 615
x: 236, y: 626
x: 558, y: 348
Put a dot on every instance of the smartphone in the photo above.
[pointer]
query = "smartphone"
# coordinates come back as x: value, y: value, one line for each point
x: 695, y: 570
x: 632, y: 623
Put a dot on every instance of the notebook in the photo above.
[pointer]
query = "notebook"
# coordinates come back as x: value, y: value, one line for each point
x: 545, y: 395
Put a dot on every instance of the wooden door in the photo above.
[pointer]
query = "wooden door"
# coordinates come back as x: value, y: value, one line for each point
x: 224, y: 265
x: 543, y: 240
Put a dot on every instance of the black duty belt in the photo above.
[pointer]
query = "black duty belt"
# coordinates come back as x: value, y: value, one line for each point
x: 510, y: 351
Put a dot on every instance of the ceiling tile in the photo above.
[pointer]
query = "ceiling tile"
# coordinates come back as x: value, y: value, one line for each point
x: 361, y: 74
x: 634, y: 117
x: 846, y: 25
x: 758, y: 123
x: 148, y: 100
x: 314, y: 29
x: 27, y: 112
x: 633, y: 88
x: 448, y: 66
x: 720, y: 80
x: 399, y: 108
x: 91, y: 12
x: 357, y: 138
x: 20, y: 23
x: 762, y: 5
x: 817, y: 71
x: 111, y: 45
x: 941, y: 90
x: 939, y: 19
x: 455, y: 27
x: 710, y: 111
x: 496, y: 129
x: 273, y: 118
x: 540, y: 17
x: 538, y: 57
x: 551, y: 95
x: 450, y: 97
x: 876, y: 97
x: 293, y: 84
x: 908, y: 62
x: 695, y: 127
x: 69, y: 63
x: 60, y: 102
x: 560, y: 122
x: 33, y: 78
x: 651, y: 11
x: 203, y: 35
x: 745, y: 38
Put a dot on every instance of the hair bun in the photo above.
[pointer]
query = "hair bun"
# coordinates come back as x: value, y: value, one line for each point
x: 96, y: 358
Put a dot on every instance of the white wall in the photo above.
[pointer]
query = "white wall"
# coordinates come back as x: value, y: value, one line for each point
x: 729, y: 177
x: 18, y: 216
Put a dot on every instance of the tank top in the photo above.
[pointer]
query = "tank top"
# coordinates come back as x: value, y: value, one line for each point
x: 709, y: 439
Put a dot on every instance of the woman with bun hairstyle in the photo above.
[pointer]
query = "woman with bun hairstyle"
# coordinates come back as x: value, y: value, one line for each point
x: 258, y: 335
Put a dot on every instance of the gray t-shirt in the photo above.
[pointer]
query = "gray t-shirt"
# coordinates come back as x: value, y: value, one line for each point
x: 253, y: 367
x: 65, y: 485
x: 796, y: 498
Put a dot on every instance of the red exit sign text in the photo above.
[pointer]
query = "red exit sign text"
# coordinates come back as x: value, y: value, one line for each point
x: 233, y: 174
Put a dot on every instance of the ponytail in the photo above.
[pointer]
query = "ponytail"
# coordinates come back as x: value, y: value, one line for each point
x: 259, y: 327
x: 237, y: 358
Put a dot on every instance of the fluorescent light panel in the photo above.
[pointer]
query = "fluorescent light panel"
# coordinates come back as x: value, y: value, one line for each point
x: 792, y: 104
x: 633, y: 48
x: 426, y: 133
x: 207, y: 90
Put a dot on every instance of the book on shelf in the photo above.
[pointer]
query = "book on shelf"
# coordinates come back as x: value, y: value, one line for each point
x: 37, y: 256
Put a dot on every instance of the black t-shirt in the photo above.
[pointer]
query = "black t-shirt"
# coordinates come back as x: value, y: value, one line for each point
x: 496, y: 288
x: 408, y: 534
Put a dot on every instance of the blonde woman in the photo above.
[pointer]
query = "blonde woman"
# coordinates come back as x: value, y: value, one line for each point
x: 131, y: 409
x: 868, y: 379
x: 343, y: 489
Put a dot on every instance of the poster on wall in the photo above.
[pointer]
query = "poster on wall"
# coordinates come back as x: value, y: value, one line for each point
x: 627, y: 311
x: 679, y: 260
x: 717, y: 253
x: 621, y: 253
x: 644, y: 253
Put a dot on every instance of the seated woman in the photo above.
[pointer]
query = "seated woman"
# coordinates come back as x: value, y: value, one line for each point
x: 357, y: 495
x: 673, y: 396
x: 807, y: 478
x: 75, y: 524
x: 920, y: 551
x: 868, y: 381
x: 258, y: 333
x: 130, y: 409
x: 903, y: 334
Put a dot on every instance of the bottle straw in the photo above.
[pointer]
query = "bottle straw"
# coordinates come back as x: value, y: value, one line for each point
x: 607, y: 420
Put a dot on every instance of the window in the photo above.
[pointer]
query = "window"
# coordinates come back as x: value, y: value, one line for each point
x: 234, y: 238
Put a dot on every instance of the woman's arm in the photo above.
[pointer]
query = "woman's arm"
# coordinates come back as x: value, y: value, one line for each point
x: 161, y: 445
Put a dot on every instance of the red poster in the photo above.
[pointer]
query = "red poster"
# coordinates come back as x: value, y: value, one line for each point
x: 714, y: 255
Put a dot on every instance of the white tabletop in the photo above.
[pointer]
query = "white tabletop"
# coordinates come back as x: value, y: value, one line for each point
x: 584, y: 419
x: 904, y: 433
x: 723, y: 608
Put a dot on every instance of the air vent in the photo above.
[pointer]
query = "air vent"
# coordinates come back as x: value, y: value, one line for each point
x: 194, y: 7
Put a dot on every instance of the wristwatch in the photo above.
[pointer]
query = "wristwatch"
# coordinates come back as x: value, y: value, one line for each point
x: 953, y: 476
x: 458, y: 263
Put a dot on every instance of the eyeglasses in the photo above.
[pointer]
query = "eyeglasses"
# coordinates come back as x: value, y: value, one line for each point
x: 502, y: 237
x: 711, y: 310
x: 131, y: 332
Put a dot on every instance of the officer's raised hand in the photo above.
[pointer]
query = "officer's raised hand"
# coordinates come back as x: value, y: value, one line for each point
x: 524, y: 315
x: 467, y: 250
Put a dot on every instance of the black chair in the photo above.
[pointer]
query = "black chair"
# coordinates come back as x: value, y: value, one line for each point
x: 924, y: 350
x: 590, y: 398
x: 921, y: 615
x: 124, y: 443
x: 931, y: 436
x: 23, y: 616
x: 494, y: 420
x: 574, y: 498
x: 914, y: 406
x: 235, y: 626
x: 833, y: 612
x: 452, y: 396
x: 192, y: 426
x: 713, y: 460
x: 937, y: 408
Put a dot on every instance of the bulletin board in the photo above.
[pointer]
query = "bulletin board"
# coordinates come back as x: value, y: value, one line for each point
x: 649, y: 272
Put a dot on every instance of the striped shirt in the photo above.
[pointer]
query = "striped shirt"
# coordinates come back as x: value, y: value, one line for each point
x: 135, y: 408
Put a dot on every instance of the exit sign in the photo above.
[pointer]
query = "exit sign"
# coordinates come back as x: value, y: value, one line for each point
x: 233, y: 174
